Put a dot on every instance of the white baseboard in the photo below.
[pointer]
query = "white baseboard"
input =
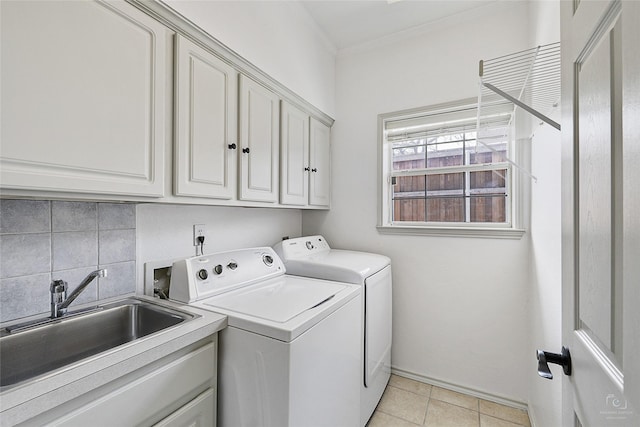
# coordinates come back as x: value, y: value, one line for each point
x: 532, y: 418
x: 462, y: 389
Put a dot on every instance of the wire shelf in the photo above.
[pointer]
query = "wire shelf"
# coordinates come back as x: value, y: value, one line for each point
x: 529, y: 79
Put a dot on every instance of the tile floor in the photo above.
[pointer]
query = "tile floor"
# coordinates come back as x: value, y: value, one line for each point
x: 408, y: 403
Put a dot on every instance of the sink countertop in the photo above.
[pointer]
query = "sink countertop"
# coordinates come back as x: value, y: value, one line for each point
x: 23, y: 401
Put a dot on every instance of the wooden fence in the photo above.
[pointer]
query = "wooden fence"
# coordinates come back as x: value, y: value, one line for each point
x: 442, y: 197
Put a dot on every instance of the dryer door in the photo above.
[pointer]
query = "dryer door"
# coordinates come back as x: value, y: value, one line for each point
x: 377, y: 333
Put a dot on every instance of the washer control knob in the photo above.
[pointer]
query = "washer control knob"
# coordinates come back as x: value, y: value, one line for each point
x: 202, y: 274
x: 217, y: 269
x: 268, y: 260
x: 232, y: 265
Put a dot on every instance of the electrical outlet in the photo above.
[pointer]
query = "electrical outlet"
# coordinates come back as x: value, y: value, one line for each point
x: 198, y: 230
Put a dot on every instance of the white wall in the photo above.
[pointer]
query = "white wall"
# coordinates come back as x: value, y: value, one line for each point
x: 460, y: 304
x: 279, y: 37
x: 545, y: 397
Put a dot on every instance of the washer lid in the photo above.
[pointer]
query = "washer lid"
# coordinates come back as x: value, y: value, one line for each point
x: 338, y: 265
x: 279, y: 301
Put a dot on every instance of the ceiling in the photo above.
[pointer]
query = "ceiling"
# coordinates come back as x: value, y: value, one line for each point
x: 348, y: 23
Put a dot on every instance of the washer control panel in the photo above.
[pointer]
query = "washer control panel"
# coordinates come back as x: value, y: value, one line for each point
x: 207, y: 275
x: 301, y: 247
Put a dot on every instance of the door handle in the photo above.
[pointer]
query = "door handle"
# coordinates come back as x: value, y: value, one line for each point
x: 544, y: 358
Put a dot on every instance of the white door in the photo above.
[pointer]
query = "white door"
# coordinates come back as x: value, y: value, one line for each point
x: 294, y: 181
x: 319, y: 161
x: 259, y: 142
x: 601, y: 198
x: 206, y: 120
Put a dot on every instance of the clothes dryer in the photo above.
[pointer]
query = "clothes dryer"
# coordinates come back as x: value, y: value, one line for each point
x: 313, y: 257
x: 290, y: 355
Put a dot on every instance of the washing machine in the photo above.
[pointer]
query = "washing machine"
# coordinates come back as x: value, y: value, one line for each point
x: 290, y: 354
x: 313, y: 257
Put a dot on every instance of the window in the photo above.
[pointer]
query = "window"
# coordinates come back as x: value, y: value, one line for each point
x: 438, y: 173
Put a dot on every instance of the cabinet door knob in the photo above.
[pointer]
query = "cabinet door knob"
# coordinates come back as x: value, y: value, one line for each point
x: 245, y: 150
x: 307, y: 169
x: 232, y: 146
x: 314, y: 170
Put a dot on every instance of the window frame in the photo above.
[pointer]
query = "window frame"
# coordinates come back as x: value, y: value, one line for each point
x: 511, y: 229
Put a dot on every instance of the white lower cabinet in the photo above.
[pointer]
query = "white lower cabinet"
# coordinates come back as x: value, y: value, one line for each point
x: 180, y: 391
x: 84, y: 92
x: 200, y: 412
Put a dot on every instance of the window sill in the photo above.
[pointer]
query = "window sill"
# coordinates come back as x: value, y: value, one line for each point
x: 477, y: 232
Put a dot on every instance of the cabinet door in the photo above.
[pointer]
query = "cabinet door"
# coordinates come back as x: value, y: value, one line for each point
x: 140, y: 400
x: 259, y: 141
x: 320, y: 161
x: 294, y: 182
x: 83, y: 98
x: 200, y: 412
x: 205, y: 124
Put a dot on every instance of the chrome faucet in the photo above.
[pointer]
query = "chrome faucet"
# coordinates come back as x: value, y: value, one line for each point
x: 59, y: 300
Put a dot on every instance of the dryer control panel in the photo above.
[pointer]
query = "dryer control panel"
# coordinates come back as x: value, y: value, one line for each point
x: 301, y: 247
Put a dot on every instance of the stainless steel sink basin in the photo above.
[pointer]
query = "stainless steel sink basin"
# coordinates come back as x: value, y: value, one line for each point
x: 41, y: 349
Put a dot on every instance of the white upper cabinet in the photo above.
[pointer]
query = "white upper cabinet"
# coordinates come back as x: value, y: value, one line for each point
x: 83, y: 98
x: 306, y: 157
x: 294, y: 168
x: 206, y: 120
x: 259, y: 142
x: 102, y: 101
x: 319, y: 161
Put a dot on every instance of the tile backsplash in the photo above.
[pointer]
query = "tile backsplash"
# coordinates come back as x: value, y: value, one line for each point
x: 43, y: 240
